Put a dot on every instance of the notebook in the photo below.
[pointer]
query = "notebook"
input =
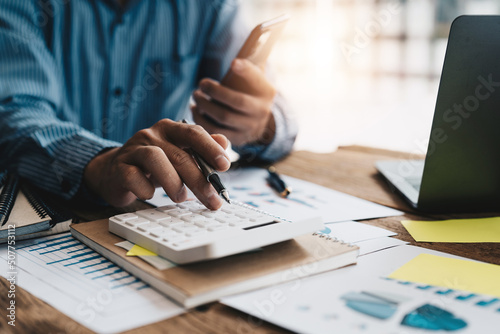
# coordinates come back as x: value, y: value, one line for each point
x: 203, y: 282
x: 28, y: 212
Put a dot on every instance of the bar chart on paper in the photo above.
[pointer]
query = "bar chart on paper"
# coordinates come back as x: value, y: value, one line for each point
x: 86, y: 286
x: 361, y: 299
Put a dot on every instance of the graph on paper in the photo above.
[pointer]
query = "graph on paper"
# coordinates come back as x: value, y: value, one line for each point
x: 360, y: 299
x: 68, y: 258
x: 86, y: 286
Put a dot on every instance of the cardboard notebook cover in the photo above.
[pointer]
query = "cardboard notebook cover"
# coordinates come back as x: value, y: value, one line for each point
x: 203, y: 282
x: 25, y: 219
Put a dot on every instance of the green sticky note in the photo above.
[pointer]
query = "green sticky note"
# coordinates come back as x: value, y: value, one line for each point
x: 455, y: 230
x: 476, y: 277
x: 138, y: 251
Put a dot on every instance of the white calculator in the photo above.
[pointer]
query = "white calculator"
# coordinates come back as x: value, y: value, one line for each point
x: 189, y: 232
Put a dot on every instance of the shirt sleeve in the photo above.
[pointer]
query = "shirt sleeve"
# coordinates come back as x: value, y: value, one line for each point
x: 225, y: 40
x: 34, y: 142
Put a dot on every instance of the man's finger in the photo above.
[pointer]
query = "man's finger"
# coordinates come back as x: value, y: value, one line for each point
x: 224, y: 116
x: 192, y: 176
x: 135, y: 181
x: 227, y: 96
x: 196, y: 138
x: 254, y: 77
x: 221, y: 140
x: 211, y: 127
x: 154, y: 161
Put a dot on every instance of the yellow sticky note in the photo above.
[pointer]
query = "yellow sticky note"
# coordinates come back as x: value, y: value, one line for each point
x: 455, y: 230
x: 476, y: 277
x: 138, y: 251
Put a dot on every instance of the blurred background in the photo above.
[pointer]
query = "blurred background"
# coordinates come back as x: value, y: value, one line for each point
x: 362, y: 72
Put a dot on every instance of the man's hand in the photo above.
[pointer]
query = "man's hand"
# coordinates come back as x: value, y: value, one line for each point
x: 156, y: 157
x: 242, y: 117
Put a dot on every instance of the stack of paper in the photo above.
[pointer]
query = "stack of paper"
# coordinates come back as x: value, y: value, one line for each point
x: 369, y: 238
x: 362, y: 299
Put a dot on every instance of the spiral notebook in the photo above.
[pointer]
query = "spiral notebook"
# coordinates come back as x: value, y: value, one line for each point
x: 28, y: 214
x: 203, y: 282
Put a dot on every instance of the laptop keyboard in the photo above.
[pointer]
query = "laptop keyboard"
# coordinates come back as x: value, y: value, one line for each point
x: 414, y: 182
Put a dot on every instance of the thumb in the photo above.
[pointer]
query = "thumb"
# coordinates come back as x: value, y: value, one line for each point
x: 221, y: 140
x: 253, y: 76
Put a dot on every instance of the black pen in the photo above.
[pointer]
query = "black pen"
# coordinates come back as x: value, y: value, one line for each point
x: 277, y: 183
x: 210, y: 173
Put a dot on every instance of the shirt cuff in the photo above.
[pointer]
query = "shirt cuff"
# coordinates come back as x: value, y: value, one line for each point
x: 78, y: 152
x: 64, y: 174
x: 282, y: 143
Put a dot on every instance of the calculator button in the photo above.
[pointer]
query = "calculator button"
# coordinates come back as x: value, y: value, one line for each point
x: 228, y: 209
x: 185, y: 228
x: 126, y: 216
x: 174, y: 237
x: 246, y: 213
x: 225, y: 218
x: 183, y: 243
x: 153, y: 215
x: 197, y: 233
x: 137, y: 221
x: 190, y: 205
x: 148, y: 227
x: 170, y: 222
x: 157, y: 233
x: 209, y: 214
x: 217, y: 228
x: 225, y: 221
x: 179, y: 213
x: 203, y: 223
x: 192, y: 218
x: 239, y: 222
x: 166, y: 208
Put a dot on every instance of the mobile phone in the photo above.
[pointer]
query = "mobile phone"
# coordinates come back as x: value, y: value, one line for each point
x: 257, y: 48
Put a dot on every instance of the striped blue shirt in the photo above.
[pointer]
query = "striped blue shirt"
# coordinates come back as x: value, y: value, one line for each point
x: 80, y: 76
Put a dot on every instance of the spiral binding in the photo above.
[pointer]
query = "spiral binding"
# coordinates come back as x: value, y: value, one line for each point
x: 3, y: 178
x: 334, y: 239
x: 7, y: 197
x: 42, y: 207
x: 36, y: 203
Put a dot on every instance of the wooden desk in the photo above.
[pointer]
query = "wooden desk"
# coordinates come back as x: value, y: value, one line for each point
x: 349, y: 169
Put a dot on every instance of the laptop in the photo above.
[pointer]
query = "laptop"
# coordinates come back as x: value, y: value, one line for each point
x: 461, y: 171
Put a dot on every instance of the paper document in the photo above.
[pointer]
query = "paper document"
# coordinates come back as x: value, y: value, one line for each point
x: 455, y: 230
x: 375, y: 245
x: 369, y: 238
x: 353, y: 232
x: 360, y: 299
x: 85, y: 286
x: 468, y: 275
x: 307, y: 199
